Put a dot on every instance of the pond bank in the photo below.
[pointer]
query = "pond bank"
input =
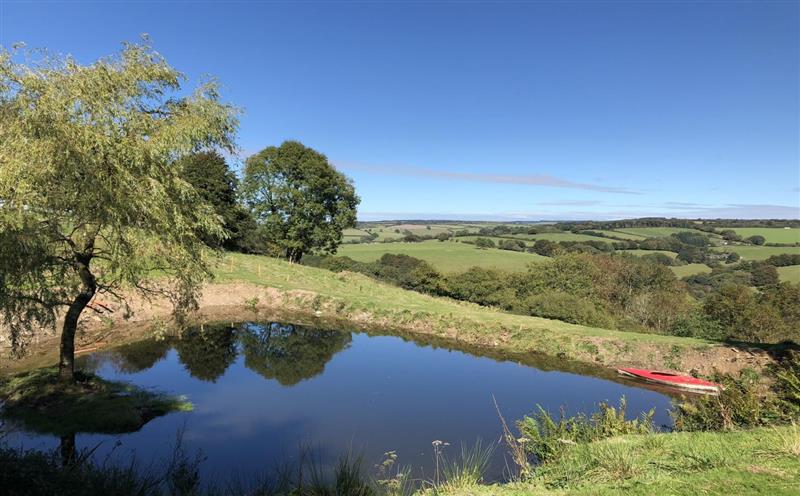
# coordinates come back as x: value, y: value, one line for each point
x: 261, y: 288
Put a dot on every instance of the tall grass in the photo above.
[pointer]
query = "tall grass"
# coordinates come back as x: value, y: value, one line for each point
x: 547, y: 438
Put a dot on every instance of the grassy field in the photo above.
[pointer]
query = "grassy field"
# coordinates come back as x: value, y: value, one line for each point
x: 759, y: 252
x: 352, y: 295
x: 764, y: 461
x: 445, y: 256
x: 621, y: 235
x: 790, y: 273
x: 641, y: 253
x: 352, y: 234
x: 562, y: 236
x: 653, y: 232
x: 690, y: 269
x: 771, y: 234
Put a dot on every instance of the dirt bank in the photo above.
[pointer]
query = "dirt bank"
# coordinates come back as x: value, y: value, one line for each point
x: 243, y: 301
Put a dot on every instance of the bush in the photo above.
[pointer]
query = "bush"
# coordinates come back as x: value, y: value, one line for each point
x: 737, y: 405
x: 658, y: 258
x: 566, y: 307
x: 756, y: 240
x: 547, y: 439
x: 484, y: 243
x: 512, y: 245
x: 482, y: 286
x: 696, y: 324
x: 784, y: 260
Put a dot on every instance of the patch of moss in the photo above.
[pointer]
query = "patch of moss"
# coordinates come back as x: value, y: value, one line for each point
x: 38, y: 402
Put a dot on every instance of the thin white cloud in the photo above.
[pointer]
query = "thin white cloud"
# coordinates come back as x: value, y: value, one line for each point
x: 729, y: 211
x: 522, y: 179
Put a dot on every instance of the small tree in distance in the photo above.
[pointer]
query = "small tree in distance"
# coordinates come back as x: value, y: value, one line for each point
x: 91, y: 190
x: 299, y: 198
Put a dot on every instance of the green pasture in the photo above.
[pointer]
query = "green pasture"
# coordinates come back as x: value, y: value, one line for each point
x: 790, y: 273
x: 690, y: 269
x: 622, y: 235
x: 771, y: 234
x: 641, y: 253
x: 446, y: 256
x: 654, y: 232
x: 750, y: 252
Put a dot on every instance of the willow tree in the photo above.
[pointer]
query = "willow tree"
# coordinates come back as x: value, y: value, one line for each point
x: 91, y: 196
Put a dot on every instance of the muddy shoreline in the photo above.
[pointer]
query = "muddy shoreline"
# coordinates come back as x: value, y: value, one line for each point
x: 237, y: 302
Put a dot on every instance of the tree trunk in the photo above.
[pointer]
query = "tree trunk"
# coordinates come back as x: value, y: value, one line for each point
x: 67, y: 449
x: 293, y: 255
x: 66, y: 363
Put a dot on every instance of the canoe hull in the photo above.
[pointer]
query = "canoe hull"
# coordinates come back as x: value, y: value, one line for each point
x: 672, y: 380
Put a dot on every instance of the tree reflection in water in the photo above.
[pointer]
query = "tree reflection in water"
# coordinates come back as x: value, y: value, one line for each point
x: 289, y: 353
x: 207, y: 351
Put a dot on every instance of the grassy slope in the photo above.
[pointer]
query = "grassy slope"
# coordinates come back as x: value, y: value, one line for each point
x: 790, y: 273
x: 690, y: 269
x: 641, y: 253
x: 354, y: 294
x: 771, y: 234
x: 622, y: 235
x: 759, y: 252
x: 654, y: 232
x: 444, y: 256
x: 562, y: 236
x: 760, y: 461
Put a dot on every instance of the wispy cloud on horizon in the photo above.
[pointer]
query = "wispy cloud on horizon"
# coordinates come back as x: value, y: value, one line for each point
x: 522, y: 179
x: 728, y: 211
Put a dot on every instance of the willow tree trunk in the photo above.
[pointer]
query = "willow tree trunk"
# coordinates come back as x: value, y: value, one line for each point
x: 66, y: 363
x: 67, y: 449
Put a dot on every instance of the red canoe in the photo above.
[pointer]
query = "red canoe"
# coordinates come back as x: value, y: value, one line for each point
x: 670, y: 379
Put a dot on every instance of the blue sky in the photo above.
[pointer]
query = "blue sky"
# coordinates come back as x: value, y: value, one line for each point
x: 484, y: 110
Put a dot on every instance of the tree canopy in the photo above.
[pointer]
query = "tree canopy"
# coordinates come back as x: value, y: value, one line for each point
x: 299, y: 198
x: 209, y: 173
x: 92, y: 195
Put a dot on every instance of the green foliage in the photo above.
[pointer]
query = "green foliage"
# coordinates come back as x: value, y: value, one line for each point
x: 483, y: 286
x: 748, y: 315
x: 207, y: 351
x: 784, y: 260
x: 566, y: 307
x: 288, y: 353
x: 40, y: 403
x: 756, y: 240
x: 468, y: 469
x: 786, y: 385
x: 299, y: 198
x: 512, y: 245
x: 697, y: 324
x: 217, y: 184
x: 693, y: 238
x: 743, y: 403
x: 484, y: 243
x: 738, y: 405
x: 92, y: 183
x: 547, y: 439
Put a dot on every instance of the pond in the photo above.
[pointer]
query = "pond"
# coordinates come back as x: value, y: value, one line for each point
x: 261, y: 392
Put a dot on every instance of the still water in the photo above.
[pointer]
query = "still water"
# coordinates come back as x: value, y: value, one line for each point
x: 261, y: 391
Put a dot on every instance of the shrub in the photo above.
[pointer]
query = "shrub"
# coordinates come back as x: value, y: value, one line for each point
x: 756, y: 240
x: 658, y: 258
x: 737, y: 405
x: 696, y: 324
x: 484, y: 243
x: 566, y: 307
x: 547, y: 439
x: 512, y: 245
x: 784, y: 260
